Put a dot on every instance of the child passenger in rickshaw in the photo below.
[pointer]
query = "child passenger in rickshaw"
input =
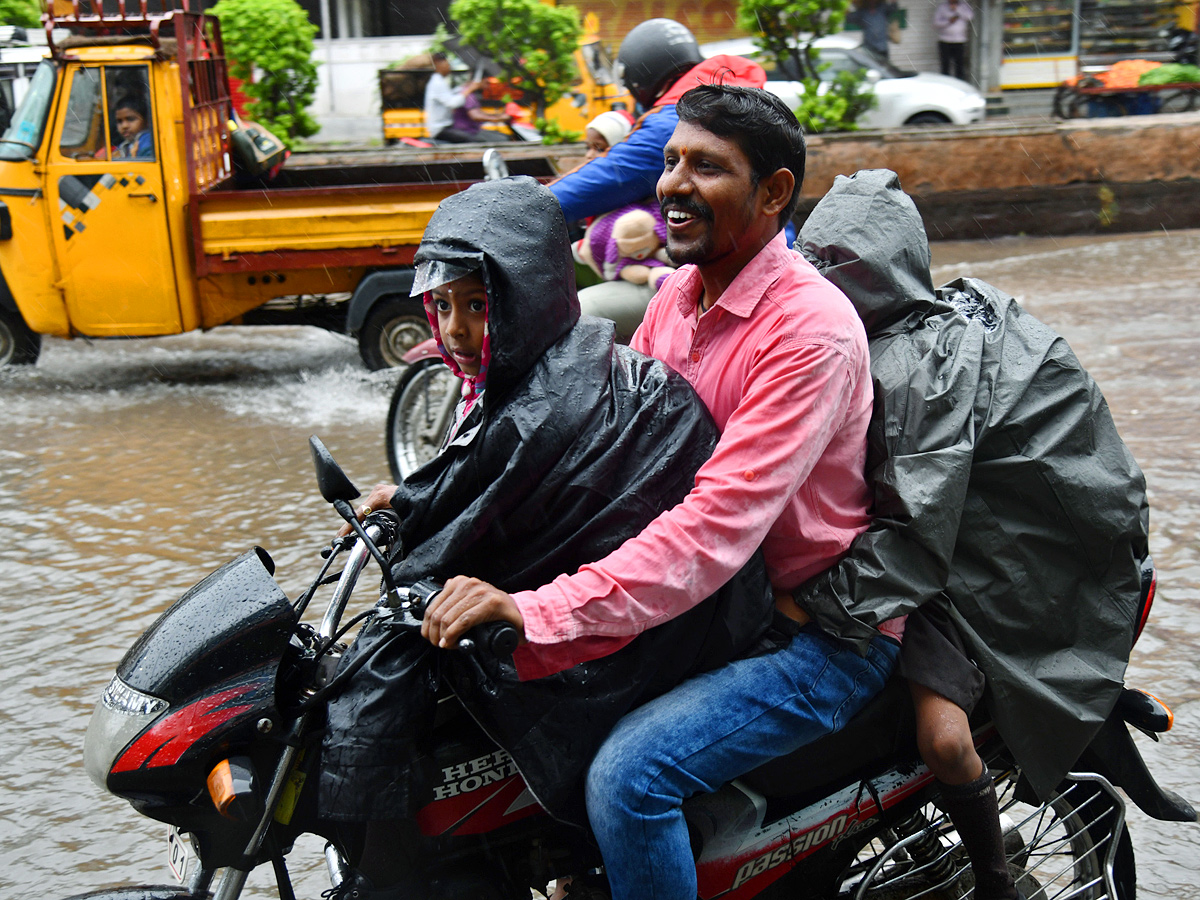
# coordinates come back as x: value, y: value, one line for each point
x: 132, y: 123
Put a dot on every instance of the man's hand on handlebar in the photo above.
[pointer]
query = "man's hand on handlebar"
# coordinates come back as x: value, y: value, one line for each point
x: 379, y: 498
x: 463, y: 604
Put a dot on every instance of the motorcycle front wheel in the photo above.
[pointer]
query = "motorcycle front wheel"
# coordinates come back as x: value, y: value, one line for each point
x: 1062, y: 849
x: 140, y: 892
x: 421, y: 411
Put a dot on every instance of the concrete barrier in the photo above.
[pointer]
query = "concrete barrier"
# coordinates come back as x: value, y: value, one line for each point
x: 1078, y: 176
x: 1070, y: 177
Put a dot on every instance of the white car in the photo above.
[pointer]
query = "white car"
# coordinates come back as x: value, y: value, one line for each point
x: 905, y: 98
x: 20, y: 52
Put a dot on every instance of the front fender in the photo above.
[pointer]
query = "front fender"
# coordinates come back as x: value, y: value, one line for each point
x: 371, y: 289
x: 425, y: 350
x: 140, y: 892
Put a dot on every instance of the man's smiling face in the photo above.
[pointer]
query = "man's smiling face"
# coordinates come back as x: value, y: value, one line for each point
x: 709, y: 199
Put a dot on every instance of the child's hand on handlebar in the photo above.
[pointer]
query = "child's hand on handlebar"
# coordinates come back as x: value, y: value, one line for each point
x: 379, y: 498
x: 463, y: 604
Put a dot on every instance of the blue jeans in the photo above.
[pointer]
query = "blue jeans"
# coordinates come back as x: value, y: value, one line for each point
x: 706, y: 732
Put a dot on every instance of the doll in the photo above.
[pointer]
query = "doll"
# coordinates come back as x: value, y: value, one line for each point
x: 627, y: 243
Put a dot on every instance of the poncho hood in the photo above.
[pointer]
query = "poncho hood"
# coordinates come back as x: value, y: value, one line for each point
x: 527, y: 269
x: 867, y: 238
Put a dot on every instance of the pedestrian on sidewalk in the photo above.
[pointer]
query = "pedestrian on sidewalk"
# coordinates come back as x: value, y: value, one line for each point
x: 874, y: 18
x: 952, y: 22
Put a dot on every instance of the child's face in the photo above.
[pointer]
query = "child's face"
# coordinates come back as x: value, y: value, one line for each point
x: 596, y: 143
x: 129, y: 123
x: 462, y: 317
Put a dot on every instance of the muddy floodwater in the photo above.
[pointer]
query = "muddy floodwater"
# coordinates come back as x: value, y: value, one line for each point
x: 130, y: 469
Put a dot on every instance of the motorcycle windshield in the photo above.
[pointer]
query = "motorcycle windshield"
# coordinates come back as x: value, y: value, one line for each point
x: 236, y: 619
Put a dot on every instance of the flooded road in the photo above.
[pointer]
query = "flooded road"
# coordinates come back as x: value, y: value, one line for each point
x: 128, y: 470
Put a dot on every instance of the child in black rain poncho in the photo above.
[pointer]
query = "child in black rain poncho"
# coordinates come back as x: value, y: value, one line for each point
x: 565, y: 445
x: 1010, y: 518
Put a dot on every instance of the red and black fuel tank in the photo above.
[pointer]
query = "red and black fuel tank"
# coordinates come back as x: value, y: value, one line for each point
x: 475, y: 788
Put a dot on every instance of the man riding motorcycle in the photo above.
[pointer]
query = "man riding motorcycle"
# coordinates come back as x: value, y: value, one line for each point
x: 779, y: 358
x: 571, y: 444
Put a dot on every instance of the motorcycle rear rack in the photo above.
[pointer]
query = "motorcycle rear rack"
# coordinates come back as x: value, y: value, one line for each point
x: 1063, y: 849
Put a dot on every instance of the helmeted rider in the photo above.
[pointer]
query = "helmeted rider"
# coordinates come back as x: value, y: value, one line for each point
x: 659, y: 61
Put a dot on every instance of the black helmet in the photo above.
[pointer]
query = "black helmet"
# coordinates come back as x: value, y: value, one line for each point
x: 653, y: 56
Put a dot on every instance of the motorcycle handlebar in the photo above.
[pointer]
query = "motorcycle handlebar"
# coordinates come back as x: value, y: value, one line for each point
x: 380, y: 528
x: 497, y: 639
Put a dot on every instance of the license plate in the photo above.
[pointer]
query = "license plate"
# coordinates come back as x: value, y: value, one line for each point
x: 179, y: 856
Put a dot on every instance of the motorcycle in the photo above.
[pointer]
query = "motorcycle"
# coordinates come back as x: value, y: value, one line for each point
x: 213, y: 718
x: 421, y: 410
x: 1180, y: 43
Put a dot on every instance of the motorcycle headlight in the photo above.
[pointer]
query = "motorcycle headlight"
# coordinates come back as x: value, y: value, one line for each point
x: 121, y: 698
x: 121, y: 715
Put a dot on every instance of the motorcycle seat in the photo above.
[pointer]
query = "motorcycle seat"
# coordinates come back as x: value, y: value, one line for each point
x: 882, y: 732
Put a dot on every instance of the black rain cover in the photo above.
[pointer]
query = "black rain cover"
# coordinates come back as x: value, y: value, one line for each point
x: 1002, y: 488
x: 579, y: 444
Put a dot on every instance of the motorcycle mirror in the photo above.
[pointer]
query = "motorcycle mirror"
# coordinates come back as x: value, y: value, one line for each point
x: 331, y: 479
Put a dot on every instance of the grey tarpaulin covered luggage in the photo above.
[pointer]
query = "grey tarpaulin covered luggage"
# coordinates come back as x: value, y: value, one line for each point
x: 1002, y: 488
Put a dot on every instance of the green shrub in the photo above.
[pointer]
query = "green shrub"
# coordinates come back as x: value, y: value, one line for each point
x: 786, y: 30
x: 269, y: 44
x: 553, y: 133
x: 532, y: 43
x: 26, y: 13
x: 838, y: 108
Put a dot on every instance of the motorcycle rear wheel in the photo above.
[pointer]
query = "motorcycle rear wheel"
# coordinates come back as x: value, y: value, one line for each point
x: 1059, y: 850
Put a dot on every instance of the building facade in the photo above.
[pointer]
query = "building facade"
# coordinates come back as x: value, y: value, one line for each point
x: 1014, y: 43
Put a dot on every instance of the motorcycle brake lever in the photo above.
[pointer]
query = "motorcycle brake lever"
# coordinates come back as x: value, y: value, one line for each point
x: 338, y: 544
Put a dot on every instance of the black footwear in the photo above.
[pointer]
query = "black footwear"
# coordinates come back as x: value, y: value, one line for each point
x: 353, y: 887
x: 356, y: 886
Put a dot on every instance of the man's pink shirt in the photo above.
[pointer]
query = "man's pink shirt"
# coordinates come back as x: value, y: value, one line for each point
x: 781, y: 362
